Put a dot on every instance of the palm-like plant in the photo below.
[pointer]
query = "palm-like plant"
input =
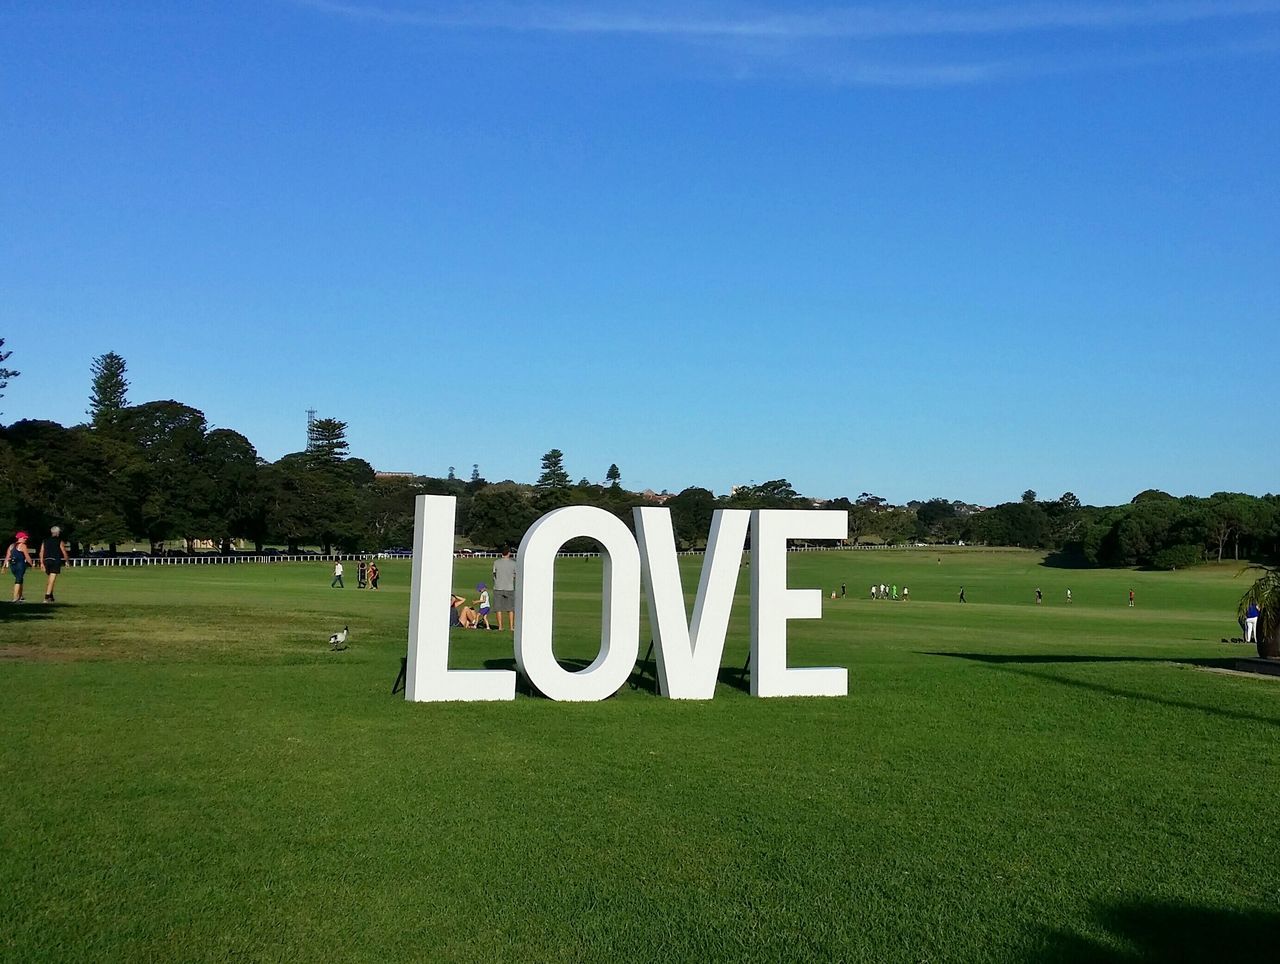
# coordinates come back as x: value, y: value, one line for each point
x: 1266, y: 593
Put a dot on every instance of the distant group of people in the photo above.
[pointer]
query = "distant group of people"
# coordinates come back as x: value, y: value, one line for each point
x: 52, y: 557
x: 881, y: 591
x: 367, y: 575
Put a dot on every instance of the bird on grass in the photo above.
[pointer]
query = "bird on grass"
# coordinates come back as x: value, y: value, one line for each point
x: 338, y: 640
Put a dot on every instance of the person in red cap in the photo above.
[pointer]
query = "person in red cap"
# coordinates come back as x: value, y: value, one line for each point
x: 18, y: 558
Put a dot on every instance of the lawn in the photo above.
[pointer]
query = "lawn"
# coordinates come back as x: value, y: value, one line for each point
x: 188, y: 773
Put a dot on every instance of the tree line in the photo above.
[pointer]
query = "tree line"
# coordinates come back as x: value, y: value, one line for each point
x: 156, y: 472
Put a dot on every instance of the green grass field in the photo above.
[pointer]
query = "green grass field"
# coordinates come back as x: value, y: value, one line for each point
x: 187, y: 773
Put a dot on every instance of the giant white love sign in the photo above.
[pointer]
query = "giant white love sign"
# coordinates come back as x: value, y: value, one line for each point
x: 688, y: 651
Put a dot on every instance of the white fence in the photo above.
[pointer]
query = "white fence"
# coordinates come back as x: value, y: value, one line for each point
x: 212, y: 560
x: 215, y: 560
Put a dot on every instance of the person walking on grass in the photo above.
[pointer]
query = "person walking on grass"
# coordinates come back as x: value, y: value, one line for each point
x: 962, y: 593
x: 18, y: 558
x: 1251, y: 623
x: 362, y: 575
x: 1068, y: 594
x: 374, y: 575
x: 1130, y: 598
x: 1039, y: 596
x: 336, y: 582
x: 53, y: 554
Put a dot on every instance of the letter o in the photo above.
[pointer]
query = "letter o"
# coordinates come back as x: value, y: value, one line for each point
x: 620, y: 623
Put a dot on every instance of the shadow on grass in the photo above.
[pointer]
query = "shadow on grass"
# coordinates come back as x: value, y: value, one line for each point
x: 1008, y: 664
x: 735, y: 678
x: 1168, y: 932
x: 1034, y: 658
x: 1065, y: 559
x: 644, y: 677
x: 525, y: 688
x: 24, y: 612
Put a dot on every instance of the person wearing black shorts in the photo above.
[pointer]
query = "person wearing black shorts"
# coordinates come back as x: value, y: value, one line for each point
x: 53, y: 553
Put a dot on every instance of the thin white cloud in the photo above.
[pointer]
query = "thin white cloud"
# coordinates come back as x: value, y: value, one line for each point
x: 847, y: 46
x: 856, y: 73
x: 865, y: 22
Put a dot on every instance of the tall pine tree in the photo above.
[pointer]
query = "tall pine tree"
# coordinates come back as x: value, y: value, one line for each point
x: 327, y: 441
x: 107, y: 396
x: 553, y: 474
x: 5, y: 373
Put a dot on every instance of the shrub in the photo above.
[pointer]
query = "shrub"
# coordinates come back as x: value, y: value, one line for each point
x: 1178, y: 557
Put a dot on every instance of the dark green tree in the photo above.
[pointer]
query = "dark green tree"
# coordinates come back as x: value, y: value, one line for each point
x: 613, y: 476
x: 235, y: 509
x: 862, y: 515
x: 389, y: 508
x: 108, y: 390
x: 775, y: 494
x: 5, y: 373
x: 178, y: 491
x: 553, y: 474
x: 937, y: 520
x: 691, y: 512
x: 327, y: 441
x: 499, y: 516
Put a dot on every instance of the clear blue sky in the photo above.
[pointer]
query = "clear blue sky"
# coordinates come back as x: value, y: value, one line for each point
x: 918, y: 249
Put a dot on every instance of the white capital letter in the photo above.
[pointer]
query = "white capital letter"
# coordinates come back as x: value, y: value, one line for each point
x: 620, y: 630
x: 689, y: 656
x: 772, y: 603
x: 428, y: 677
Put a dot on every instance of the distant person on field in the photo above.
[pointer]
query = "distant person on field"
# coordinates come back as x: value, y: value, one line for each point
x: 906, y: 593
x: 374, y: 575
x: 53, y: 554
x: 1068, y: 595
x: 962, y: 593
x: 483, y: 602
x: 1251, y: 623
x: 362, y: 575
x: 894, y: 590
x: 1130, y: 598
x: 504, y: 587
x: 18, y: 558
x: 842, y: 592
x: 873, y: 592
x: 1039, y: 597
x: 337, y: 576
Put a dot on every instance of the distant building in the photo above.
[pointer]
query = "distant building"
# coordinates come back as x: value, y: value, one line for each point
x: 393, y: 475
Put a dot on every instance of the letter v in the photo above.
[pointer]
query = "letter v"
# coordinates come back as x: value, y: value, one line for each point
x: 689, y: 658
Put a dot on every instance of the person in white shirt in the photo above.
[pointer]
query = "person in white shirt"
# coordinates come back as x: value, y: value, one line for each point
x: 337, y: 577
x: 482, y: 604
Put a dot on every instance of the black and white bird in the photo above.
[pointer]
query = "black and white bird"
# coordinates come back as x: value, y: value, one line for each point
x: 338, y: 640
